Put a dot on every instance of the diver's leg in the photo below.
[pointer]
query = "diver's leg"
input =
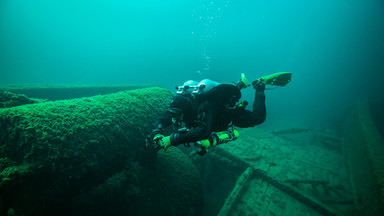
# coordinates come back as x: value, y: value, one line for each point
x: 259, y: 103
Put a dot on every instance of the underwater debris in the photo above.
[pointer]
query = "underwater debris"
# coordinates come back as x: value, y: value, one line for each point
x: 223, y: 155
x: 288, y: 177
x: 330, y: 142
x: 296, y: 182
x: 290, y: 131
x: 240, y: 184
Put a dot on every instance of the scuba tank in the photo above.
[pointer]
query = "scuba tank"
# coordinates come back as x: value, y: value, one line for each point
x: 187, y: 88
x: 193, y: 88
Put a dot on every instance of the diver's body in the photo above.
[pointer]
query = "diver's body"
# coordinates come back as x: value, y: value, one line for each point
x: 201, y: 116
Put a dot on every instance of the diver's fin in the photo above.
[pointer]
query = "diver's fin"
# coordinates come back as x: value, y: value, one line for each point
x: 279, y: 79
x: 243, y: 82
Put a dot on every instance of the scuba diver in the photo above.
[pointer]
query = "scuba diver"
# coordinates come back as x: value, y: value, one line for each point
x: 203, y: 114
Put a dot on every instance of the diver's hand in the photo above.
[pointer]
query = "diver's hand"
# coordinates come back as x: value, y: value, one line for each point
x: 152, y: 140
x: 165, y: 142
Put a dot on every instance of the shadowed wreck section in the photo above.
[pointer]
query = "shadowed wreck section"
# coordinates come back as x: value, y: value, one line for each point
x: 364, y: 145
x: 87, y: 157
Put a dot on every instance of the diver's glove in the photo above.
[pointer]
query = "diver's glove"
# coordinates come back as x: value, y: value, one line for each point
x: 259, y: 85
x: 165, y: 142
x: 159, y: 140
x: 152, y: 140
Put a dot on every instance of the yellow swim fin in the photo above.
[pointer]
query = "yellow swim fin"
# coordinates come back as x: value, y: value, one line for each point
x: 279, y: 79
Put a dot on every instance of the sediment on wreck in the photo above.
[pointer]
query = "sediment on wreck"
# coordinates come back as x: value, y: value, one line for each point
x: 81, y: 157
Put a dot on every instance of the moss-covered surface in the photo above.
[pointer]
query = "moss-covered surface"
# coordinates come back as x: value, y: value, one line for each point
x: 69, y: 157
x: 9, y: 99
x: 63, y: 92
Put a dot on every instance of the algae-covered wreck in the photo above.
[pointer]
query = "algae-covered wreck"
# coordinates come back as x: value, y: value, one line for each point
x: 86, y: 156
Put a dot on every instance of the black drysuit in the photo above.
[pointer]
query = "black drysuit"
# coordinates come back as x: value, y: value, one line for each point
x: 202, y: 116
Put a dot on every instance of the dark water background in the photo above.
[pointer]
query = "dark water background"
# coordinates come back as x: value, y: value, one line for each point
x: 335, y: 48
